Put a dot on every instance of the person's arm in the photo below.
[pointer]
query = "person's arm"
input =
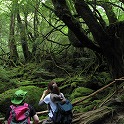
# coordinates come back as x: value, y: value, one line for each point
x: 36, y: 119
x: 58, y: 98
x: 44, y: 94
x: 41, y: 102
x: 63, y: 98
x: 34, y: 115
x: 7, y: 116
x: 5, y: 122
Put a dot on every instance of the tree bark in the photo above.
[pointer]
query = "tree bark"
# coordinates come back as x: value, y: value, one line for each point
x: 23, y: 39
x: 12, y: 43
x: 107, y: 45
x: 109, y: 12
x: 36, y: 22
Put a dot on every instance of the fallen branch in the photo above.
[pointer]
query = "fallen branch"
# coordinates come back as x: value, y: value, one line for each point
x: 42, y: 112
x: 107, y: 99
x: 93, y: 116
x: 94, y: 93
x: 1, y: 119
x: 101, y: 89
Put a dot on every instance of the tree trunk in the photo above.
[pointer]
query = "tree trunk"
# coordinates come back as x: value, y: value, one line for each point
x: 12, y: 43
x: 110, y: 45
x: 107, y: 45
x: 36, y: 22
x: 24, y: 43
x: 109, y: 12
x: 92, y: 117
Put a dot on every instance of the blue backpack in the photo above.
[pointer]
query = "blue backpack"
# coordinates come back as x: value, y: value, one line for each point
x: 63, y: 113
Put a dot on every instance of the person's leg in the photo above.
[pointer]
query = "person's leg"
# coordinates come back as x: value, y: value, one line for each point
x: 48, y: 121
x: 44, y: 122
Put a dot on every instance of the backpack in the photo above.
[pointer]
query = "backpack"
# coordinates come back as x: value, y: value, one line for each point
x: 19, y: 114
x: 63, y: 113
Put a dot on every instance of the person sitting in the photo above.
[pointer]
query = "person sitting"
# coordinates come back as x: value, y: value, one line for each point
x: 50, y: 97
x: 20, y: 111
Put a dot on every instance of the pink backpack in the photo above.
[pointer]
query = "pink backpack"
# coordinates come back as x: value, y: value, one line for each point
x: 19, y: 114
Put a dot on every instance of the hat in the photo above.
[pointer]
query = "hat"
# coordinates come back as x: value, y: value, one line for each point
x: 18, y: 97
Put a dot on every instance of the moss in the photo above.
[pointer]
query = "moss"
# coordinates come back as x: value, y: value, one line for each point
x: 102, y: 78
x: 80, y: 98
x: 4, y: 86
x: 33, y: 96
x: 83, y: 108
x: 86, y: 105
x: 88, y: 108
x: 4, y: 75
x: 79, y: 79
x: 121, y: 97
x: 25, y: 82
x: 59, y: 80
x: 80, y: 92
x: 6, y: 82
x: 74, y: 84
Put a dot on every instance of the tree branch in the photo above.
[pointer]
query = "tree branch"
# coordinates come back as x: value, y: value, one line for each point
x: 62, y: 11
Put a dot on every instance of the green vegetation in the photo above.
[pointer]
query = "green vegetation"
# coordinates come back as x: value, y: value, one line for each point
x: 80, y: 47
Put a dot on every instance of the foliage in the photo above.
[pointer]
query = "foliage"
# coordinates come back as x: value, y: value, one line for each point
x: 34, y: 94
x: 80, y: 92
x: 6, y: 82
x: 78, y: 71
x: 102, y: 77
x: 60, y: 80
x: 84, y: 109
x: 86, y: 106
x: 4, y: 86
x: 4, y: 75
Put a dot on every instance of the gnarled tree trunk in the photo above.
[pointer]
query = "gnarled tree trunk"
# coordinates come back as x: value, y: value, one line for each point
x: 12, y: 42
x: 111, y: 46
x: 23, y: 38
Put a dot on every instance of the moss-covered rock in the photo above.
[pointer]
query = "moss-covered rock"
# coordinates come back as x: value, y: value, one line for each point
x: 80, y: 92
x: 6, y: 81
x: 4, y: 86
x: 33, y: 96
x: 4, y: 75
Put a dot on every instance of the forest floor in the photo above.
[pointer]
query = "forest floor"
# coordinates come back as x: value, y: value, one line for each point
x: 114, y: 117
x: 117, y: 118
x: 112, y: 112
x: 101, y: 116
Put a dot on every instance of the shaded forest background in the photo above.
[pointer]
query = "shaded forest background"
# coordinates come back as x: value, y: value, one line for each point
x: 77, y: 43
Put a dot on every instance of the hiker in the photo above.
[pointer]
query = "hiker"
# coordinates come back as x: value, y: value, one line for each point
x: 24, y: 110
x: 50, y: 97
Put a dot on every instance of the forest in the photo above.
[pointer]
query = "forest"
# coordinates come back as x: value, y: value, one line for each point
x: 77, y: 43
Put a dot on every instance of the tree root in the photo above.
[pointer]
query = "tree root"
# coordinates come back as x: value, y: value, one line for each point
x: 92, y: 116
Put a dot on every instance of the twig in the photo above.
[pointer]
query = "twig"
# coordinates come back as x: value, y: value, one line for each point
x: 42, y: 112
x: 1, y: 119
x: 107, y: 99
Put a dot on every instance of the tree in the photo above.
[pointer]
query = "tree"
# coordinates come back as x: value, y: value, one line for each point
x: 107, y: 40
x: 23, y: 36
x: 12, y: 42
